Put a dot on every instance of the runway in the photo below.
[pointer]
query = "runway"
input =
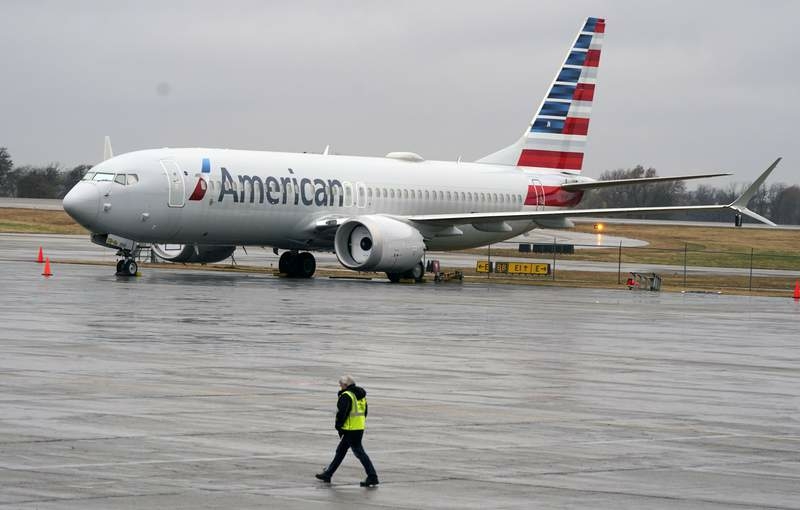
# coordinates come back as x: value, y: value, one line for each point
x: 186, y: 389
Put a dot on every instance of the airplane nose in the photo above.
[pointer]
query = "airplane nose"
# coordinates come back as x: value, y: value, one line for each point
x: 83, y: 203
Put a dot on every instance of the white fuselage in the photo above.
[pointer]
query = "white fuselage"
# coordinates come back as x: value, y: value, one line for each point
x: 279, y: 199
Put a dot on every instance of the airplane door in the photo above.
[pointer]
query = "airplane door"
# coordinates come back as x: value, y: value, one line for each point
x: 177, y: 194
x: 539, y: 190
x: 361, y: 195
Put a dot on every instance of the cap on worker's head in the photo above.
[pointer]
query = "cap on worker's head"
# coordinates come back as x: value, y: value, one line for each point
x: 346, y: 380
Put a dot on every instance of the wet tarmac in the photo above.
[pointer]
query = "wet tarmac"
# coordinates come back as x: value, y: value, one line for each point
x: 24, y: 247
x: 186, y: 389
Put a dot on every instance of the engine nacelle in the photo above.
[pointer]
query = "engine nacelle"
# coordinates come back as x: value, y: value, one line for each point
x: 193, y: 253
x: 378, y: 243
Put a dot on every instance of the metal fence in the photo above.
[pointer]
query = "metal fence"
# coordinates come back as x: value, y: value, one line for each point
x: 689, y: 268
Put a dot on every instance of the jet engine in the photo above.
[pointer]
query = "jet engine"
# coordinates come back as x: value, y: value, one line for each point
x: 378, y: 243
x: 193, y: 253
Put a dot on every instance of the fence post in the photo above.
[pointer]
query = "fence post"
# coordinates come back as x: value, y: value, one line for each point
x: 489, y: 272
x: 750, y: 284
x: 619, y: 265
x: 554, y: 258
x: 685, y: 254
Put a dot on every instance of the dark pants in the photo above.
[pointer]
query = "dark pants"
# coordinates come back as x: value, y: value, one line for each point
x: 351, y: 439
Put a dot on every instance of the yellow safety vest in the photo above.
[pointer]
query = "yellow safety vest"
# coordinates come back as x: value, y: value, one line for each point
x: 356, y: 420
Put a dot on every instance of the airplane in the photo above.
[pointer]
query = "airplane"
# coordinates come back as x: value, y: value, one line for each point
x: 375, y: 213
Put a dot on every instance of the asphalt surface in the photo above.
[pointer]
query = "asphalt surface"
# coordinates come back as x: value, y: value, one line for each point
x: 190, y: 390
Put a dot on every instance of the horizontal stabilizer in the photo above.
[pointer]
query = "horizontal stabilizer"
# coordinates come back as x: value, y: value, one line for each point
x: 583, y: 186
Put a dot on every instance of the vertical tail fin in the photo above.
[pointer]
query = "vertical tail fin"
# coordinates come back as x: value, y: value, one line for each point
x: 556, y: 136
x: 108, y: 152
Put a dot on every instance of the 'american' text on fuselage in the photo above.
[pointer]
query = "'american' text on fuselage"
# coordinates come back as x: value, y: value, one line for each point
x: 277, y: 190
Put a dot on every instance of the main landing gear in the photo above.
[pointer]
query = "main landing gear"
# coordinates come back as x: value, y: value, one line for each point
x: 127, y: 267
x: 297, y: 264
x: 416, y: 273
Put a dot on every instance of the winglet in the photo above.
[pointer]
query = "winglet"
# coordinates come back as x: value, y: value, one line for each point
x: 740, y: 204
x: 108, y: 153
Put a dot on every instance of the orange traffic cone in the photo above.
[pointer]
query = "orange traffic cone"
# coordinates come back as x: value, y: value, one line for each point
x: 40, y: 258
x: 796, y: 289
x: 46, y: 271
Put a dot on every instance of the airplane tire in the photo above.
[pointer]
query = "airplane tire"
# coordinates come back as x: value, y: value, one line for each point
x: 130, y: 268
x: 285, y: 262
x: 120, y: 266
x: 307, y: 265
x: 295, y: 267
x: 417, y: 272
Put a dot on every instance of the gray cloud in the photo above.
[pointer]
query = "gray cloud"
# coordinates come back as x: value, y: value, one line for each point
x: 683, y: 86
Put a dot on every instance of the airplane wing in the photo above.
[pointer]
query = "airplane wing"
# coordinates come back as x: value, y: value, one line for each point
x: 739, y: 205
x: 582, y: 186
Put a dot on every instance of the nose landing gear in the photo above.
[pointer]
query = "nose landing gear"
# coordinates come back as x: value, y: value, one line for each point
x: 297, y: 265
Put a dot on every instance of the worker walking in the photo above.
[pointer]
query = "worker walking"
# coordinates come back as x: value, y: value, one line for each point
x: 351, y: 419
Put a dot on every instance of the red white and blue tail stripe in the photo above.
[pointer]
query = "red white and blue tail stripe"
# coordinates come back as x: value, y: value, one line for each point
x: 556, y: 136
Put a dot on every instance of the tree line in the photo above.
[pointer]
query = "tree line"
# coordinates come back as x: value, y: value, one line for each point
x: 778, y: 202
x: 50, y: 181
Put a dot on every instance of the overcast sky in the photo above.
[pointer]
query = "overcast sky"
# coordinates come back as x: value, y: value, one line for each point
x: 683, y: 86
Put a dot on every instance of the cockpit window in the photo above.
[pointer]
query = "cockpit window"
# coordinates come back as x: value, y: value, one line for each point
x: 120, y: 179
x: 132, y: 179
x: 101, y: 176
x: 88, y: 177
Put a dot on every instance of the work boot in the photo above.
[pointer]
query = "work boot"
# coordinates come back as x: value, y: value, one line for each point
x: 324, y: 476
x: 370, y: 481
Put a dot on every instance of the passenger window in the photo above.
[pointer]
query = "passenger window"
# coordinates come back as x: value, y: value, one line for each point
x: 449, y: 197
x: 427, y: 195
